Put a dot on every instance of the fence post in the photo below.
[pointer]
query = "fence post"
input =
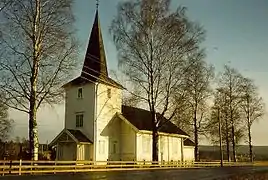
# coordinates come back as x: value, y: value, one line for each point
x: 10, y: 166
x: 107, y: 164
x: 20, y: 167
x: 75, y: 166
x: 4, y: 167
x: 55, y: 167
x: 31, y: 167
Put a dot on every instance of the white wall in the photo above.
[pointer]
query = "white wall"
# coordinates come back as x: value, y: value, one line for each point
x: 114, y: 129
x: 74, y: 105
x: 80, y: 152
x: 128, y: 142
x: 144, y: 147
x: 66, y: 151
x: 84, y: 152
x: 106, y: 109
x: 169, y: 147
x: 188, y: 153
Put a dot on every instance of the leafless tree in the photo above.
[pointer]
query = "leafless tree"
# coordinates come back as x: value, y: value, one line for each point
x: 220, y: 111
x: 252, y: 107
x: 4, y: 4
x: 38, y: 53
x: 153, y: 46
x: 230, y: 90
x: 198, y: 79
x: 5, y: 122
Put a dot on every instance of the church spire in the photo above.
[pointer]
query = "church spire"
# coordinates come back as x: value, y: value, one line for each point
x: 95, y: 66
x: 97, y: 5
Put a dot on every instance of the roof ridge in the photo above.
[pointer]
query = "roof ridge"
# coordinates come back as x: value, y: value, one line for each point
x: 136, y: 108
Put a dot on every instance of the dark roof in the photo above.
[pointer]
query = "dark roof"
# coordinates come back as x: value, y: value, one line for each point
x: 95, y: 66
x: 79, y: 135
x: 141, y: 119
x: 81, y: 81
x: 95, y: 59
x: 188, y: 142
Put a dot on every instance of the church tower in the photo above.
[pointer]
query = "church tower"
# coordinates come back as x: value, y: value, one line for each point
x: 93, y: 98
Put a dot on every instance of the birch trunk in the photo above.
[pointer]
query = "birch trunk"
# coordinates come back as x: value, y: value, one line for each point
x: 250, y: 145
x: 227, y: 139
x: 33, y: 133
x: 196, y: 150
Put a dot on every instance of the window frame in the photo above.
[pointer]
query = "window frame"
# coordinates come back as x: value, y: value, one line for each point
x: 80, y: 93
x: 114, y: 150
x: 175, y: 145
x: 79, y: 120
x: 109, y: 93
x: 146, y: 144
x: 101, y: 147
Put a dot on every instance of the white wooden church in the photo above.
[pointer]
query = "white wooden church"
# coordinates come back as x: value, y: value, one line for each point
x: 99, y: 128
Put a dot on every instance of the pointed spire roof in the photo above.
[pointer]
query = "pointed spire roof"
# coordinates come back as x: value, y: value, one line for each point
x: 95, y: 65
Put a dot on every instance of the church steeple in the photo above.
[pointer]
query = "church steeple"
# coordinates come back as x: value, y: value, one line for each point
x: 95, y: 67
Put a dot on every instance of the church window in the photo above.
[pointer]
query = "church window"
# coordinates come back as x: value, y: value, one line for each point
x: 175, y: 145
x: 114, y: 147
x: 101, y: 147
x: 145, y: 143
x: 80, y: 93
x: 109, y: 93
x: 162, y: 144
x: 79, y: 120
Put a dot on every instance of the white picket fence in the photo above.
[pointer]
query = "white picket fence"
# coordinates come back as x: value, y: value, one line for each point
x: 44, y: 167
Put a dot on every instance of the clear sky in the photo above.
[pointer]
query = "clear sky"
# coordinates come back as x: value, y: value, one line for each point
x: 236, y: 35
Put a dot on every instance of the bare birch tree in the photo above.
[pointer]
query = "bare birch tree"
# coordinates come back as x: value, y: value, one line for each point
x: 5, y: 122
x: 153, y: 45
x: 38, y: 55
x: 230, y: 90
x: 220, y: 111
x: 198, y: 78
x: 252, y: 107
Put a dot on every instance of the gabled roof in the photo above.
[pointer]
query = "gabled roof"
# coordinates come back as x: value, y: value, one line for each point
x: 95, y: 66
x: 79, y: 135
x: 82, y: 81
x: 188, y: 142
x: 76, y: 135
x: 141, y: 119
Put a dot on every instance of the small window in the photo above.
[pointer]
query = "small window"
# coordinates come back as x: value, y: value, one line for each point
x: 146, y: 144
x: 101, y: 147
x: 79, y: 120
x: 109, y: 93
x: 114, y: 147
x: 175, y: 145
x: 80, y: 93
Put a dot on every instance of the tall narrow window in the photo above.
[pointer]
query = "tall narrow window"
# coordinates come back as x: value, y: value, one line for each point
x: 175, y: 145
x: 80, y: 93
x: 79, y: 120
x: 101, y: 146
x: 162, y: 144
x: 145, y: 143
x: 109, y: 93
x: 114, y: 147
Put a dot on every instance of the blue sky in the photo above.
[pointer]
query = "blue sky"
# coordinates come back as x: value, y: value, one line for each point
x: 236, y: 35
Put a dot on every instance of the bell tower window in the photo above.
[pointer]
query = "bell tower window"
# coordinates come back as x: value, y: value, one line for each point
x: 80, y: 93
x: 79, y: 120
x: 109, y: 93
